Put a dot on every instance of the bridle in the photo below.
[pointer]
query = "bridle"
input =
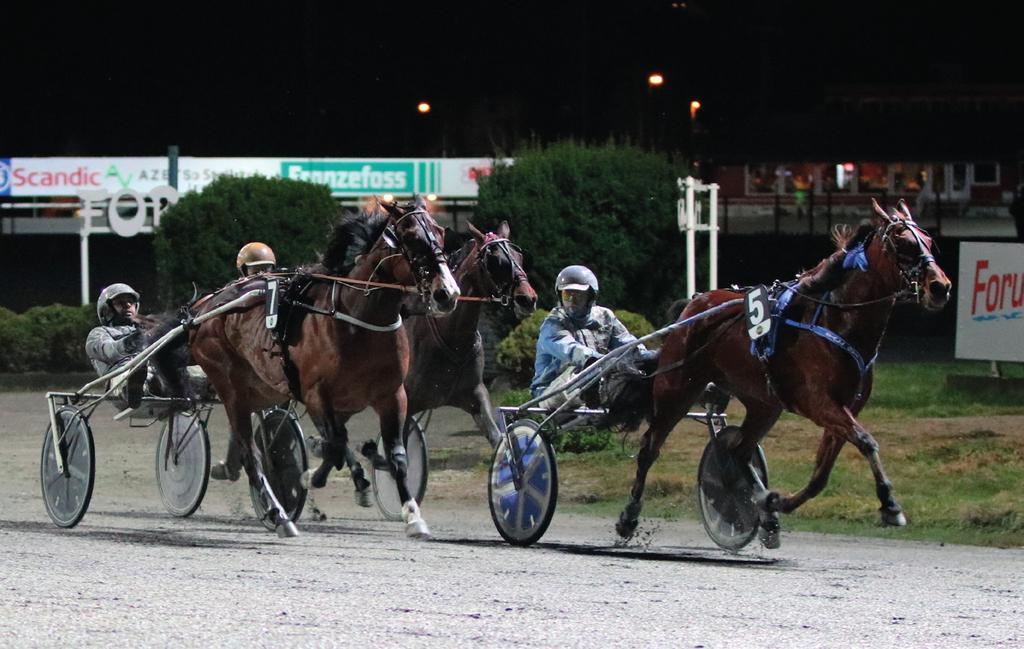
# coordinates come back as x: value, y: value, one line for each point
x: 911, y: 268
x: 419, y: 263
x: 494, y: 244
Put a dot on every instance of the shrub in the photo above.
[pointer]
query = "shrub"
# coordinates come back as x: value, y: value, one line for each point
x: 46, y: 338
x: 611, y: 208
x: 518, y: 351
x: 199, y: 237
x: 583, y: 440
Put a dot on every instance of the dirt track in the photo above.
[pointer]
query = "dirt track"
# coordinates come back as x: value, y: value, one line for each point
x: 132, y: 575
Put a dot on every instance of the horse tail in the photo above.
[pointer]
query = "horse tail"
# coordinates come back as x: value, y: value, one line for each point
x: 170, y: 364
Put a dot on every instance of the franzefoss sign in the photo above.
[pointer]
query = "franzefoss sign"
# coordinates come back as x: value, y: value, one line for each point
x: 446, y: 177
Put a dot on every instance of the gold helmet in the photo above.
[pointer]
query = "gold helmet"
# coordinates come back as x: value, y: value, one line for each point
x: 255, y: 257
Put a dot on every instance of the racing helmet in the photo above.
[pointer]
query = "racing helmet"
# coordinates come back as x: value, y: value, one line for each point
x: 104, y: 310
x: 577, y: 278
x: 255, y: 257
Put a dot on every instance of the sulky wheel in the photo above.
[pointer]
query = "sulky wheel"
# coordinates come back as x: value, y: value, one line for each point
x: 67, y: 493
x: 279, y: 436
x: 522, y: 513
x: 725, y: 494
x: 385, y: 491
x: 183, y: 462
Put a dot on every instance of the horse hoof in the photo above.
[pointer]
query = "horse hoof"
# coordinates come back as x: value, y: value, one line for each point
x: 363, y: 497
x: 769, y: 537
x: 415, y: 526
x: 287, y: 530
x: 417, y: 530
x: 306, y: 479
x: 893, y: 518
x: 625, y: 528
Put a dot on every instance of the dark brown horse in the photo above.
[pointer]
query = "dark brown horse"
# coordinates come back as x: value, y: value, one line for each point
x: 344, y: 349
x: 823, y: 377
x: 447, y: 353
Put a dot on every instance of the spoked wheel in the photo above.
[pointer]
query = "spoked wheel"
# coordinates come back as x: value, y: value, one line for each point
x: 725, y: 493
x: 385, y: 490
x: 183, y: 463
x: 522, y: 513
x: 281, y: 444
x: 67, y: 493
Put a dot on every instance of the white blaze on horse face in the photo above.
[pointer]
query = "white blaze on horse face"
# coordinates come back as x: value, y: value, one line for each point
x: 444, y: 291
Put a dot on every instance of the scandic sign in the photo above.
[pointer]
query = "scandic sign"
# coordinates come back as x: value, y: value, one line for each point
x: 448, y: 177
x: 990, y: 302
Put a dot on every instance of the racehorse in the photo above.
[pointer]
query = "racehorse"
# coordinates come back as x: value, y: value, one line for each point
x: 344, y: 347
x: 827, y: 339
x: 447, y: 353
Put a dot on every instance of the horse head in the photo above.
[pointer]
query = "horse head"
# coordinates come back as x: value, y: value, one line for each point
x: 501, y: 263
x: 420, y: 260
x: 910, y: 247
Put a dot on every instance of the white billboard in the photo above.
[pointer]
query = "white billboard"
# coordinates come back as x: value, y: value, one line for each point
x: 990, y: 302
x: 445, y: 177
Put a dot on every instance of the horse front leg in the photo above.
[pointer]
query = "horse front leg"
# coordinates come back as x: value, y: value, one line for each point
x: 252, y: 460
x: 840, y: 428
x: 479, y: 407
x: 392, y: 413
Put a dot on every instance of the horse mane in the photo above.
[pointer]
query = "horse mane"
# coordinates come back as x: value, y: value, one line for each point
x: 830, y: 274
x: 353, y: 235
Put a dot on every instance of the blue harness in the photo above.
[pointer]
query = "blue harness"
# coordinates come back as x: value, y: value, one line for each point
x: 764, y: 347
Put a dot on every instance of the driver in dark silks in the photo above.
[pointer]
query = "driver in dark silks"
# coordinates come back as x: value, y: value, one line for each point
x: 576, y: 333
x: 118, y: 340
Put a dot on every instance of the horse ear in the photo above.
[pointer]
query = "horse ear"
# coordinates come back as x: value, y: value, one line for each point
x: 880, y: 211
x: 418, y: 201
x: 391, y: 208
x: 905, y: 209
x: 503, y: 230
x: 477, y: 234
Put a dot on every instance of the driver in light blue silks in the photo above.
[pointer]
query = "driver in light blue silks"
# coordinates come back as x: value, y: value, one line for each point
x: 574, y: 333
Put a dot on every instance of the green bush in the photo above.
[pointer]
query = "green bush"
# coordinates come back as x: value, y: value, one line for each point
x: 583, y: 440
x: 517, y: 352
x: 46, y: 338
x: 611, y: 208
x: 199, y: 238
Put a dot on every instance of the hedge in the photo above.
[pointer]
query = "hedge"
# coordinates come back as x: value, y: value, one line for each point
x: 610, y: 207
x: 199, y: 237
x: 46, y: 338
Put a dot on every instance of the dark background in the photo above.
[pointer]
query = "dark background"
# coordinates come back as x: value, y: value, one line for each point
x: 343, y: 79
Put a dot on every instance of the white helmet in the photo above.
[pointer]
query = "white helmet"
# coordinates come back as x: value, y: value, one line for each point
x: 104, y: 310
x: 577, y: 278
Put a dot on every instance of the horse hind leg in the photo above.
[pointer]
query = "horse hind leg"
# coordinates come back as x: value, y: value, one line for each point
x: 362, y: 485
x: 668, y: 413
x: 333, y: 454
x: 252, y: 459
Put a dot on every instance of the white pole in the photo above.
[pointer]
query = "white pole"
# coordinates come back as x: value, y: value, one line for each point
x: 713, y: 236
x: 691, y: 240
x: 83, y: 254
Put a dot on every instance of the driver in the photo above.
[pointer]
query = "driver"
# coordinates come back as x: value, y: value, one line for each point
x: 118, y: 339
x: 576, y: 332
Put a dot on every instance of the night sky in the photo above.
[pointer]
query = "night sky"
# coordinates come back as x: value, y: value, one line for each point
x: 343, y: 79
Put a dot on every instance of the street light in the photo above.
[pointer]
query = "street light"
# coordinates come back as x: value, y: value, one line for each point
x: 423, y: 107
x: 655, y: 79
x: 694, y: 107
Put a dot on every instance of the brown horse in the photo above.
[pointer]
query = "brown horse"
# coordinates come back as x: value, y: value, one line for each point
x: 344, y: 348
x: 447, y: 354
x: 820, y: 367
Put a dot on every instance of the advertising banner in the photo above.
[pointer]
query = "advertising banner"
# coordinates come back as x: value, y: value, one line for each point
x: 445, y: 177
x: 990, y: 302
